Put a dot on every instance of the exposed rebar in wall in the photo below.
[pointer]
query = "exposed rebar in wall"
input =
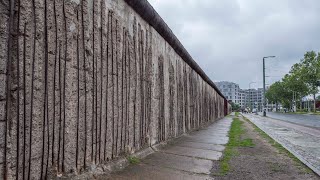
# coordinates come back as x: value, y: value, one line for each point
x: 161, y: 120
x: 171, y: 99
x: 101, y: 73
x: 107, y: 88
x: 128, y: 89
x: 85, y: 84
x: 60, y: 107
x: 112, y: 82
x: 54, y: 81
x: 96, y: 94
x: 24, y: 101
x: 135, y: 88
x: 64, y: 84
x: 93, y: 84
x: 45, y: 101
x: 117, y: 69
x: 142, y: 108
x: 78, y: 91
x: 18, y: 92
x: 122, y: 87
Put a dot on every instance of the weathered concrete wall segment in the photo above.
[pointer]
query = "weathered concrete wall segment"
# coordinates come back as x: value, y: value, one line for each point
x: 86, y: 82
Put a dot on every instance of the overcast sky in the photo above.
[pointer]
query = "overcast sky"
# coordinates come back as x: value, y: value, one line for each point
x: 228, y: 38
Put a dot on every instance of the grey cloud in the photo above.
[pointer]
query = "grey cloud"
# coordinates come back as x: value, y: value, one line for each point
x: 229, y: 38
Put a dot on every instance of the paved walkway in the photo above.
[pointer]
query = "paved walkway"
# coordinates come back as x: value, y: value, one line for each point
x: 188, y: 157
x: 302, y: 141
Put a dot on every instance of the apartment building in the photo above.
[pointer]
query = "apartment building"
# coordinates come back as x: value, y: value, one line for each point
x: 245, y: 98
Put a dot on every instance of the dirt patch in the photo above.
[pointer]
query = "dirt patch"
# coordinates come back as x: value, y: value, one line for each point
x: 262, y: 161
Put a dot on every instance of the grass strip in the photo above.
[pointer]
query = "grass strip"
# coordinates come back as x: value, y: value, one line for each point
x: 235, y: 141
x: 133, y: 160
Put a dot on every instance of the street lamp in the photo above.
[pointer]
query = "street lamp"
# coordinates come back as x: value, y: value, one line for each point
x: 250, y: 94
x: 264, y: 85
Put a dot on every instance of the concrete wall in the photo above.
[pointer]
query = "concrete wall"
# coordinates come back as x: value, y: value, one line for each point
x: 86, y: 82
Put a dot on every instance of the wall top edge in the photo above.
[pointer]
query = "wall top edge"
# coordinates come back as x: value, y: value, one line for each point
x: 147, y: 12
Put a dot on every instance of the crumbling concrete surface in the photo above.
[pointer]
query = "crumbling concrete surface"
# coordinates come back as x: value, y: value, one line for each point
x: 83, y: 83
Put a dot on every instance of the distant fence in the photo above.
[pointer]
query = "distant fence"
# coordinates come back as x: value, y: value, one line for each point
x: 86, y: 82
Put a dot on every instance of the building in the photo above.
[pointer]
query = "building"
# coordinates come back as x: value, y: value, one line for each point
x: 230, y: 90
x: 245, y: 98
x: 242, y: 98
x: 254, y: 98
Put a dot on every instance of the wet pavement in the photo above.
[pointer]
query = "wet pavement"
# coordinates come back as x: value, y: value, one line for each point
x: 188, y: 157
x: 303, y: 119
x: 300, y: 140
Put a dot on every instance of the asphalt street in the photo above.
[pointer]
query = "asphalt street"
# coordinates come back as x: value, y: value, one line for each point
x: 301, y: 119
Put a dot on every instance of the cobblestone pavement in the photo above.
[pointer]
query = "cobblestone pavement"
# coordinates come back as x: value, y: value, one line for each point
x: 188, y: 157
x: 302, y: 141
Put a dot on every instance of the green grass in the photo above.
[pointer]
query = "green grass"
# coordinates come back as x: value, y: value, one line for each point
x: 280, y: 148
x: 237, y: 114
x: 133, y: 160
x: 247, y: 143
x: 235, y: 141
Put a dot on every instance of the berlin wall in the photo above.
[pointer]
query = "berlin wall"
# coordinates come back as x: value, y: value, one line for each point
x: 86, y: 82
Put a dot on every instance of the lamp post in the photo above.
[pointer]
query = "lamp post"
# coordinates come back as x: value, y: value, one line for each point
x: 257, y: 101
x: 264, y: 85
x: 250, y: 94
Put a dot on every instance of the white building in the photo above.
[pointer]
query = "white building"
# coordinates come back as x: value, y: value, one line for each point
x: 252, y: 98
x: 242, y: 98
x: 230, y: 90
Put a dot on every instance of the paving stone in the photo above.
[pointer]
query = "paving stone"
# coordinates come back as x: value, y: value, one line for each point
x: 194, y: 152
x: 184, y: 163
x: 144, y: 171
x: 206, y: 146
x: 216, y: 140
x: 188, y: 157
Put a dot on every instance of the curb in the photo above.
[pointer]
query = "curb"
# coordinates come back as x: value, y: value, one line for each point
x: 314, y: 169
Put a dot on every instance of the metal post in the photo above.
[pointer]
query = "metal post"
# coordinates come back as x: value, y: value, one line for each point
x: 264, y: 86
x: 257, y: 101
x: 264, y: 90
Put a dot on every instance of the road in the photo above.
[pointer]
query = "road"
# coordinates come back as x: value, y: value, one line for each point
x: 302, y: 119
x: 300, y: 134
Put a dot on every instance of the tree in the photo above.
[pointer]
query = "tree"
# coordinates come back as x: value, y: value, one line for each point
x: 310, y: 72
x: 294, y: 82
x: 278, y: 93
x: 303, y: 79
x: 235, y: 107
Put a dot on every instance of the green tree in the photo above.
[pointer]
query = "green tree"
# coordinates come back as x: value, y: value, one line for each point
x: 310, y: 72
x: 273, y: 95
x: 294, y: 83
x: 235, y: 107
x: 278, y: 93
x: 303, y: 79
